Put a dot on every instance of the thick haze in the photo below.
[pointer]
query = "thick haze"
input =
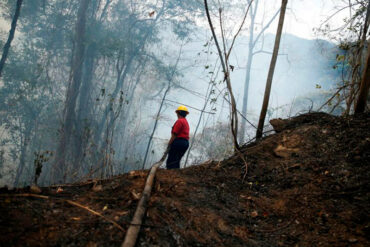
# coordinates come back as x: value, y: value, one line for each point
x: 302, y: 79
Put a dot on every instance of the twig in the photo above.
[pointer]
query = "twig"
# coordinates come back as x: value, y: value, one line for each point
x: 24, y: 195
x: 189, y: 106
x: 240, y: 28
x: 68, y: 201
x: 95, y: 213
x: 332, y: 97
x: 275, y: 229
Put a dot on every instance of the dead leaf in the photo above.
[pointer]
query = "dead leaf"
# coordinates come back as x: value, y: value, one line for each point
x: 151, y: 13
x: 122, y: 213
x: 254, y: 214
x: 131, y: 173
x: 97, y: 188
x: 35, y: 189
x: 135, y: 195
x: 91, y: 244
x: 222, y: 226
x: 105, y: 207
x: 59, y: 190
x: 352, y: 240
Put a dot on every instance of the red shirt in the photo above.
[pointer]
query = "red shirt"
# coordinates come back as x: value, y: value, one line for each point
x: 181, y: 128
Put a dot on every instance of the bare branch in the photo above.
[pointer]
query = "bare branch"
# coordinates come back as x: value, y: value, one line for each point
x: 240, y: 28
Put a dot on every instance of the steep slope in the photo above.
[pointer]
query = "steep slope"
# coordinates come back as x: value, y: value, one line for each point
x: 306, y: 186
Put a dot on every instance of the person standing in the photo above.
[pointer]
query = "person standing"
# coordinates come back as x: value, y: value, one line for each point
x: 179, y: 141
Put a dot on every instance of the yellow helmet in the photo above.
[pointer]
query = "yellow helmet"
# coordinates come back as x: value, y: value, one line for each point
x: 182, y: 108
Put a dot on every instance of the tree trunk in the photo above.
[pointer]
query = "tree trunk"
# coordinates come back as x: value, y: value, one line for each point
x: 11, y: 35
x: 271, y: 70
x: 122, y: 76
x: 119, y: 86
x: 209, y: 92
x: 160, y: 107
x: 226, y: 71
x: 247, y: 76
x: 356, y: 73
x: 83, y: 124
x: 364, y: 87
x: 72, y: 92
x: 22, y: 159
x: 155, y: 124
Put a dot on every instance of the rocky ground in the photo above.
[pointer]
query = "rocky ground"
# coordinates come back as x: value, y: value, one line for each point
x: 307, y: 185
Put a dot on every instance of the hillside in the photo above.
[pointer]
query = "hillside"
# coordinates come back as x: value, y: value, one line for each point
x: 307, y: 185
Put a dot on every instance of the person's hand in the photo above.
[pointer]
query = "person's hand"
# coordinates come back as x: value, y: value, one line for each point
x: 168, y: 148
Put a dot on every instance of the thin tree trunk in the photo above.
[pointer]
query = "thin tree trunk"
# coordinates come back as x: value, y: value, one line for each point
x: 127, y: 114
x: 271, y: 70
x: 72, y: 92
x: 252, y: 44
x: 121, y: 78
x: 83, y: 123
x: 22, y: 159
x: 155, y: 124
x: 160, y: 107
x: 11, y: 35
x: 356, y: 76
x: 225, y: 67
x: 364, y: 87
x: 209, y: 91
x: 247, y: 76
x: 119, y: 85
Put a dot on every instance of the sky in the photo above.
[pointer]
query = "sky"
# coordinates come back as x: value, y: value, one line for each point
x: 304, y: 15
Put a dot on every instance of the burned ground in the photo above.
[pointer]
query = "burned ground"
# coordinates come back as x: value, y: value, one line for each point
x: 307, y: 185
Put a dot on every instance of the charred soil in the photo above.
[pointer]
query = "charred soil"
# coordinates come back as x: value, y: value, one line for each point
x: 307, y: 185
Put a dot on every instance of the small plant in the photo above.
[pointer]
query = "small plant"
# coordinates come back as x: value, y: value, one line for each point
x: 40, y: 158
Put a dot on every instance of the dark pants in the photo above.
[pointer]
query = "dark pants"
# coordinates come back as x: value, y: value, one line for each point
x: 177, y: 150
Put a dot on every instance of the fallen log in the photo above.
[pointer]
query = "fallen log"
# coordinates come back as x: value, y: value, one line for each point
x: 134, y: 228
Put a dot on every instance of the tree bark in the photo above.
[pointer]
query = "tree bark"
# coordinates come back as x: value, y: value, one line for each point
x: 72, y: 92
x: 11, y: 36
x: 364, y: 87
x: 271, y: 70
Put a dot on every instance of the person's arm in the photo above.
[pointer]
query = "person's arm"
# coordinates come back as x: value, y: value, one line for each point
x: 174, y: 133
x: 173, y: 137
